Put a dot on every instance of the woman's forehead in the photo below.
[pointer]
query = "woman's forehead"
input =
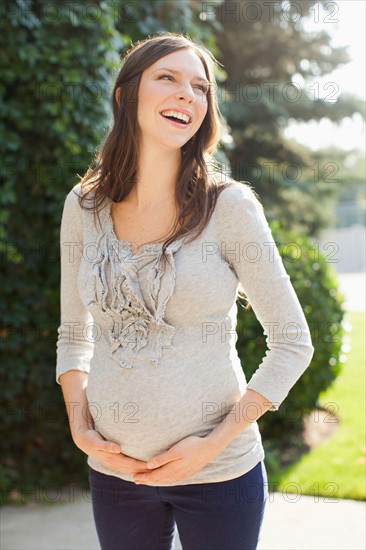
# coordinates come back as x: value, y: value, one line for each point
x: 182, y: 61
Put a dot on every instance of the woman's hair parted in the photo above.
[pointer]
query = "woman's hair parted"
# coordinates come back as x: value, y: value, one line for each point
x: 200, y: 179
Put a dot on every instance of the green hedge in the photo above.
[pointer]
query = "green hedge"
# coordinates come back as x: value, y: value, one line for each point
x: 57, y: 74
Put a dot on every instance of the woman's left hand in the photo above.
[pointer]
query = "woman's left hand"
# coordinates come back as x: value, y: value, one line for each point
x: 184, y: 459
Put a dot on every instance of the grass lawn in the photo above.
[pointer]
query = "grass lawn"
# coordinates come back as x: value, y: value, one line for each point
x: 336, y: 468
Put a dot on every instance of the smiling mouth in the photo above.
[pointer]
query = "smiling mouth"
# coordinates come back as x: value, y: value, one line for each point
x: 177, y: 120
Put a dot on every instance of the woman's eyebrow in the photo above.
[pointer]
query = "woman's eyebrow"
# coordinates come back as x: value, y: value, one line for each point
x: 178, y: 72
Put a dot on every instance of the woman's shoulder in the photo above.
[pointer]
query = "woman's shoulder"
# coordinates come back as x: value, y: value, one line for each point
x: 236, y: 195
x: 74, y: 202
x: 71, y: 199
x: 78, y: 212
x: 76, y: 192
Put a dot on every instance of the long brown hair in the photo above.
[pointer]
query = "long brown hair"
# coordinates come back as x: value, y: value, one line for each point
x: 200, y: 179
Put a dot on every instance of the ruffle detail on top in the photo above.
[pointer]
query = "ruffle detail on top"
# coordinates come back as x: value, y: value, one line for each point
x: 112, y: 286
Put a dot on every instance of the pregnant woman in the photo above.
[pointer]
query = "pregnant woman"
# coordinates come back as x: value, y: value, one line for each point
x: 156, y: 246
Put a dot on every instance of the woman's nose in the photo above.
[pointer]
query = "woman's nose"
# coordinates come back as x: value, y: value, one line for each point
x: 186, y: 91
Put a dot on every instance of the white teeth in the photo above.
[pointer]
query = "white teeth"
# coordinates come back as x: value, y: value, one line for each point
x: 176, y: 114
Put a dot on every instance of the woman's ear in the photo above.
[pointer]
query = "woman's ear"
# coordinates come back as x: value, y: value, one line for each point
x: 118, y: 94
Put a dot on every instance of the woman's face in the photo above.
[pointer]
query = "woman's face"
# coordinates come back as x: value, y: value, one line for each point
x: 162, y: 90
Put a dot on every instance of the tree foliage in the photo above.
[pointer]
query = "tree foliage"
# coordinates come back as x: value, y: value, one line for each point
x: 273, y: 58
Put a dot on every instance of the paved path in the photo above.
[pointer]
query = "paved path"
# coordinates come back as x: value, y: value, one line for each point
x: 291, y: 521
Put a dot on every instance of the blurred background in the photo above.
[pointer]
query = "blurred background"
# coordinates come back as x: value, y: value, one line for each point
x: 291, y: 91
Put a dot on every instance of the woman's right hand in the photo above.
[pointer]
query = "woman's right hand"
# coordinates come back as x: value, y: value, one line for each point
x: 108, y: 453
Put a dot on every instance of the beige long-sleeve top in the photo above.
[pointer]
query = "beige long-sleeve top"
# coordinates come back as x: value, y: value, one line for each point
x: 159, y: 341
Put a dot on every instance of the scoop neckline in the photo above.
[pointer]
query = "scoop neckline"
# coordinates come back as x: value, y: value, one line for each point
x: 150, y: 247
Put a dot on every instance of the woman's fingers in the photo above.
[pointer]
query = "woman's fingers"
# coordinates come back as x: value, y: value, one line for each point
x: 122, y: 463
x: 110, y: 454
x: 103, y: 444
x: 108, y: 447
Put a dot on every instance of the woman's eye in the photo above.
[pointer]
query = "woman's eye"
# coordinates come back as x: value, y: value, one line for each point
x: 203, y: 89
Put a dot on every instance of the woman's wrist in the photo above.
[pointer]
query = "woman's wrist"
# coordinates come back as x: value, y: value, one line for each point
x: 251, y: 406
x: 78, y: 428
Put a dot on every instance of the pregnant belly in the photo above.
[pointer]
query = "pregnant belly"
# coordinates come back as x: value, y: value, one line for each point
x: 148, y: 414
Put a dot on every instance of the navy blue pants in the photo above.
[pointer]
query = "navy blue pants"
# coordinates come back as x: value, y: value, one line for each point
x: 225, y: 515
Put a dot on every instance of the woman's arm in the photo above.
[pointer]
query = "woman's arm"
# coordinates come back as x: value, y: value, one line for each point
x: 248, y: 246
x: 74, y: 350
x: 251, y: 406
x: 73, y: 384
x: 85, y: 437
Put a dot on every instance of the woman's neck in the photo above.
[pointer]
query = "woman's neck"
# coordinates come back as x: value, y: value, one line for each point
x: 156, y: 180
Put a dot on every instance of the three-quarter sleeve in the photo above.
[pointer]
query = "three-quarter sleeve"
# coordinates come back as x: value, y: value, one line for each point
x: 248, y: 246
x: 74, y: 349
